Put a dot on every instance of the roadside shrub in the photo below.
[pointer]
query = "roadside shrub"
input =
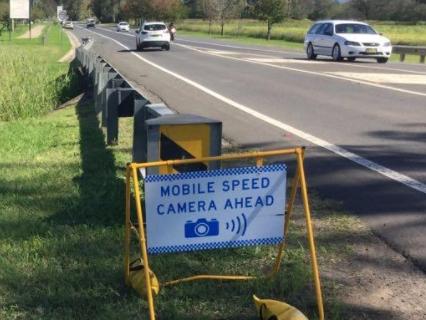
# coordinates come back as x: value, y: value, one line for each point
x: 30, y: 85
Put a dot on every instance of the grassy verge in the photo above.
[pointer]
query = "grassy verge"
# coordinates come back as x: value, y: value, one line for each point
x: 61, y: 236
x: 33, y: 82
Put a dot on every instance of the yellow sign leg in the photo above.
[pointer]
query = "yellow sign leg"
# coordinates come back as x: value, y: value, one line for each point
x: 310, y: 233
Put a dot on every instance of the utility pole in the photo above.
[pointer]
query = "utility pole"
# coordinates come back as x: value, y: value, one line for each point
x: 29, y: 18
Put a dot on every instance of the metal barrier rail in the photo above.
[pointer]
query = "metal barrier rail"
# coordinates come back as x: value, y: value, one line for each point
x: 413, y: 50
x: 158, y: 132
x: 115, y: 98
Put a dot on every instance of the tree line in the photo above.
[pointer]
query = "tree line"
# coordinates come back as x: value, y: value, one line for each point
x: 271, y: 11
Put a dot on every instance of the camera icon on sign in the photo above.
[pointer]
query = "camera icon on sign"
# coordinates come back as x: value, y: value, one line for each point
x: 201, y: 228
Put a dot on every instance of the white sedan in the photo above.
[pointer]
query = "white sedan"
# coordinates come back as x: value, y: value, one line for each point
x: 346, y: 39
x: 123, y: 26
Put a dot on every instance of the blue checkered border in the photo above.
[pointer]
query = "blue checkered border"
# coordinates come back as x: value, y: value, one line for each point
x: 215, y: 245
x: 216, y: 173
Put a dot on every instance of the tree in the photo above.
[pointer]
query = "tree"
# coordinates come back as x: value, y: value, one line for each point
x: 322, y: 9
x: 103, y: 9
x: 210, y: 11
x: 4, y: 10
x: 43, y: 9
x: 298, y: 9
x: 228, y: 9
x: 271, y: 11
x: 169, y: 10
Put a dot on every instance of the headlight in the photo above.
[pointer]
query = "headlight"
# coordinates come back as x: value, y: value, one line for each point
x: 387, y: 44
x: 352, y: 43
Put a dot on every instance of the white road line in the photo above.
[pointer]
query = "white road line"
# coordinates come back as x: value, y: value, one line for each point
x: 401, y: 178
x: 345, y: 64
x: 242, y: 48
x: 321, y: 74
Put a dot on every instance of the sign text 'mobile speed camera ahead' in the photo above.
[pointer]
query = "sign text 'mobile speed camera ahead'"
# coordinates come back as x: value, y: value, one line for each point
x: 215, y: 209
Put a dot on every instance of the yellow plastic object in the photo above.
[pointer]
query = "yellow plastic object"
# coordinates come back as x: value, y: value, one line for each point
x: 137, y: 278
x: 277, y: 310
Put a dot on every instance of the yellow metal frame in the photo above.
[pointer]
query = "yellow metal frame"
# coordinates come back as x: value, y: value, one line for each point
x: 299, y: 180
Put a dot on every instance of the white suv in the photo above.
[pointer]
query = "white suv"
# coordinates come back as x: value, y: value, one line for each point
x: 346, y: 39
x: 153, y: 34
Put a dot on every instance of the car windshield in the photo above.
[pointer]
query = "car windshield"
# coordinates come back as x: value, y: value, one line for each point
x: 154, y: 27
x: 354, y: 28
x: 123, y: 23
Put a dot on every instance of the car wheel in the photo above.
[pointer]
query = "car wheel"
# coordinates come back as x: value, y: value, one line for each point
x: 382, y: 60
x: 166, y: 47
x: 351, y: 59
x: 310, y: 52
x: 336, y: 54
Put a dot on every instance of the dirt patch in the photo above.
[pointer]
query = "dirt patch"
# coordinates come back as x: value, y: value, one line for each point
x: 369, y: 280
x: 70, y: 55
x: 35, y: 32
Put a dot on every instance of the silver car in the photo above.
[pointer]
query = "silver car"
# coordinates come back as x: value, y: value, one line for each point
x: 346, y: 39
x: 123, y: 26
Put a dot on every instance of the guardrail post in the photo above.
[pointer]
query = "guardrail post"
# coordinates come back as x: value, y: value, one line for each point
x: 108, y: 73
x: 118, y: 105
x: 139, y: 134
x: 422, y: 59
x: 401, y: 57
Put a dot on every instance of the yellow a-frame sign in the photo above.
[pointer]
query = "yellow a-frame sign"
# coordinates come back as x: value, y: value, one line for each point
x: 147, y: 279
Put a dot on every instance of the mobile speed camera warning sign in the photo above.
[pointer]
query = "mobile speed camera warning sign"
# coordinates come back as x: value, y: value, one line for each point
x: 215, y: 209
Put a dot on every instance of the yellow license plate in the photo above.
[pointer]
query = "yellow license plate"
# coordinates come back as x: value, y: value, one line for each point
x: 371, y: 50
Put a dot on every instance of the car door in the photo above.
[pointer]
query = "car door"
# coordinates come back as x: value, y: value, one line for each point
x: 315, y: 37
x: 326, y: 40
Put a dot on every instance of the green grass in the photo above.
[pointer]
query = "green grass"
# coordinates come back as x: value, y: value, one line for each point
x: 19, y: 30
x: 61, y: 236
x: 33, y: 81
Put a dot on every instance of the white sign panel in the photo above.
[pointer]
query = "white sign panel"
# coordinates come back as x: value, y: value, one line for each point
x: 19, y: 9
x: 215, y: 209
x: 59, y: 9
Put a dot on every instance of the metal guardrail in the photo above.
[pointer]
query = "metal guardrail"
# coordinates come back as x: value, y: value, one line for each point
x: 404, y: 50
x: 115, y: 98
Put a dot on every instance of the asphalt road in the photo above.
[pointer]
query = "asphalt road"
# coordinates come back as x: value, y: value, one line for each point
x: 364, y: 124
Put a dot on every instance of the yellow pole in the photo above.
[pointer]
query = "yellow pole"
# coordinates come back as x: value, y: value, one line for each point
x: 310, y: 232
x: 142, y: 243
x: 289, y: 210
x: 127, y: 229
x: 216, y: 158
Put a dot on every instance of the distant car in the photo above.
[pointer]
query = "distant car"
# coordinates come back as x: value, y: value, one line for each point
x: 153, y: 34
x: 346, y: 39
x: 68, y: 25
x: 123, y: 26
x: 91, y: 23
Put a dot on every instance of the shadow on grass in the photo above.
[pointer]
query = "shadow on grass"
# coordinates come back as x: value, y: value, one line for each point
x: 72, y: 263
